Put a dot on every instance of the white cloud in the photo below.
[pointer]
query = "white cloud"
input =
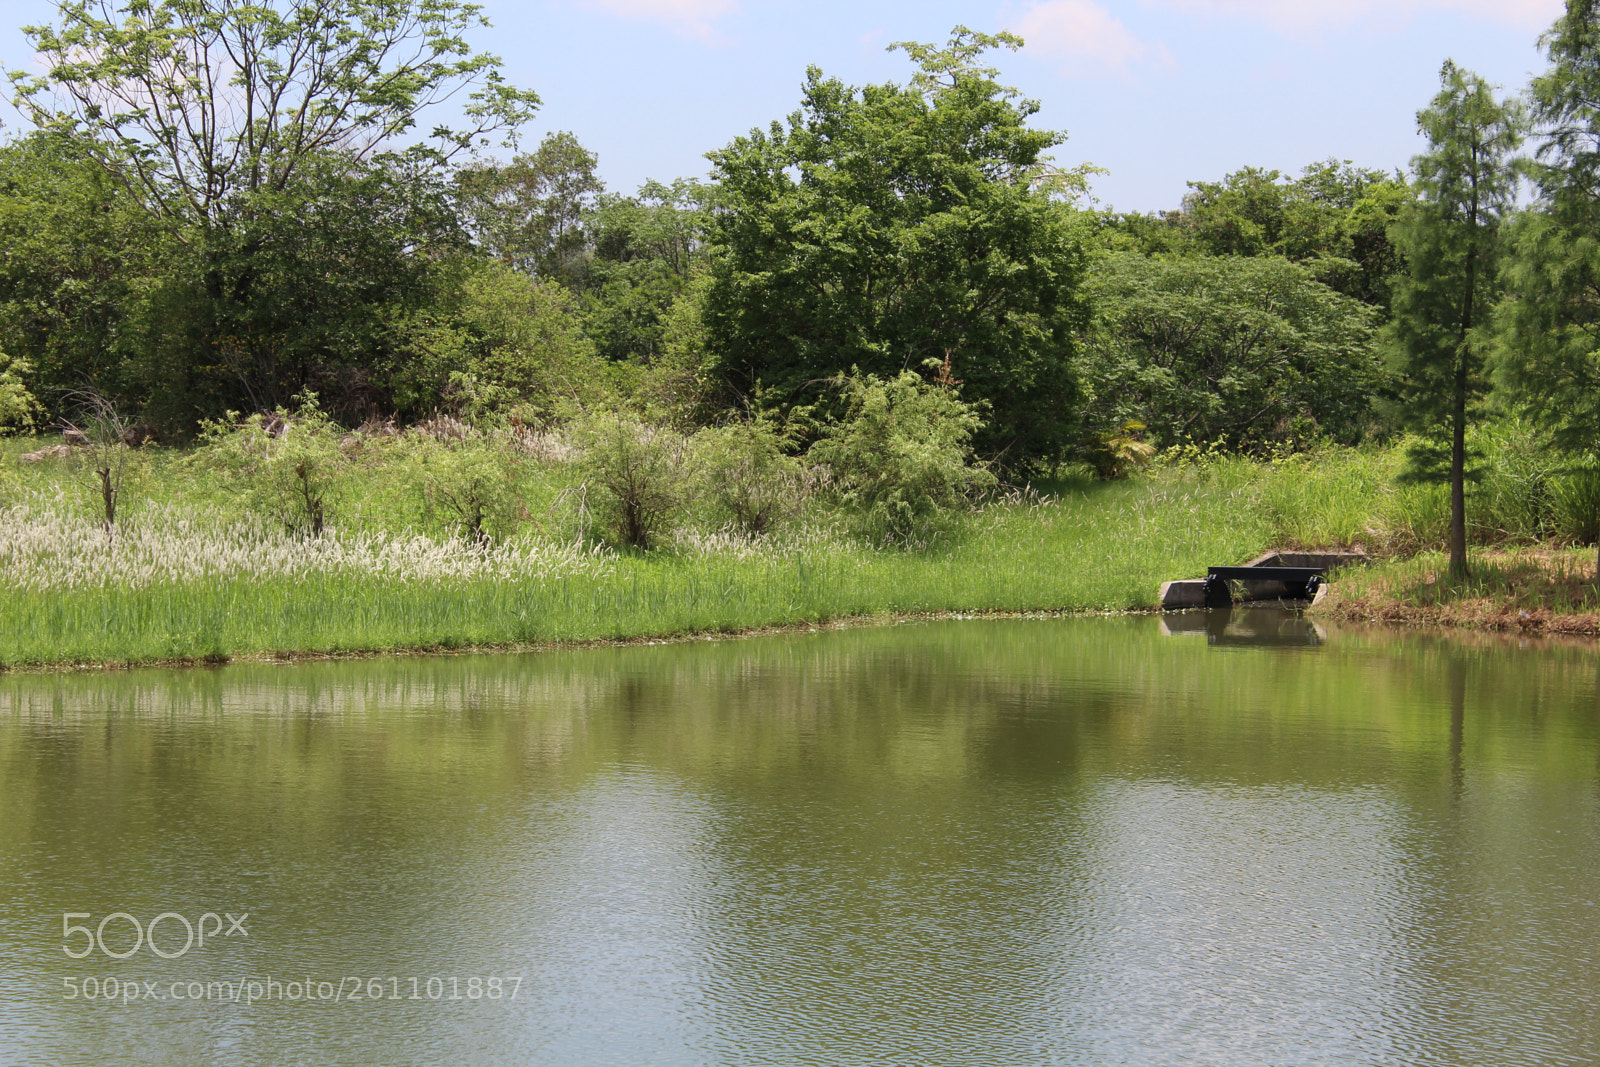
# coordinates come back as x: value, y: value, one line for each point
x: 691, y: 17
x: 1301, y: 16
x: 1084, y: 34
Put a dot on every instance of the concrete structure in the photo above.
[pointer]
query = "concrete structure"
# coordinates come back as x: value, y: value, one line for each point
x: 1191, y: 592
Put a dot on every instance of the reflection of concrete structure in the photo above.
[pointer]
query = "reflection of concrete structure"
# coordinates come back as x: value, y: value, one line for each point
x: 1246, y: 626
x: 1191, y: 592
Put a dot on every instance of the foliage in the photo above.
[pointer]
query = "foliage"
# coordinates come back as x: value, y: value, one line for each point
x: 1546, y: 359
x: 679, y: 381
x: 751, y: 480
x: 261, y: 139
x: 529, y: 213
x: 641, y: 476
x: 1575, y: 501
x: 1251, y: 349
x: 469, y: 485
x: 901, y: 455
x: 1450, y: 238
x: 195, y: 105
x: 300, y: 294
x: 495, y: 339
x: 644, y: 253
x: 288, y: 466
x: 79, y: 252
x: 888, y: 225
x: 1333, y: 219
x: 1119, y: 451
x: 18, y: 406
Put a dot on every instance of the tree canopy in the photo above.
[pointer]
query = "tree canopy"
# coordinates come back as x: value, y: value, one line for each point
x: 276, y: 146
x: 891, y: 226
x: 194, y: 104
x: 1547, y: 358
x: 1253, y: 350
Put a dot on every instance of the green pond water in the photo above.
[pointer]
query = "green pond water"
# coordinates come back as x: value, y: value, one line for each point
x: 1081, y: 841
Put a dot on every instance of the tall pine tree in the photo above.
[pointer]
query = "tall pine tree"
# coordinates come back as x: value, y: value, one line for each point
x: 1547, y: 358
x: 1450, y: 239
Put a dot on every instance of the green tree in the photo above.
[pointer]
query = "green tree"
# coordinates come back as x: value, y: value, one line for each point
x: 1334, y: 219
x: 1251, y: 349
x: 643, y: 254
x: 79, y: 261
x: 1451, y: 240
x: 195, y: 105
x: 493, y: 338
x: 1547, y: 356
x: 318, y: 277
x: 252, y: 131
x: 530, y: 212
x: 891, y: 225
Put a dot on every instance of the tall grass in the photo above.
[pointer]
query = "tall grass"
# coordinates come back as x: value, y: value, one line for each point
x: 173, y: 591
x: 187, y: 577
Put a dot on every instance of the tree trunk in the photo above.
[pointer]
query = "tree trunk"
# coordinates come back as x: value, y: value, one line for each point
x: 108, y: 495
x: 1458, y: 412
x: 1458, y: 473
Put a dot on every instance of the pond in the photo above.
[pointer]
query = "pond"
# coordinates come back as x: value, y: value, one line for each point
x: 1071, y: 841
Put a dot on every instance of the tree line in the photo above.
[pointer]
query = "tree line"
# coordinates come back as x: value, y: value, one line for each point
x: 228, y: 208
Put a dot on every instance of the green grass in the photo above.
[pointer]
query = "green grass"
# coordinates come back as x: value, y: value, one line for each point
x: 1502, y: 587
x: 1104, y: 548
x: 1074, y: 546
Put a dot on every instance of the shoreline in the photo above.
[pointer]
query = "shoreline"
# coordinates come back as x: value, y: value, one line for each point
x: 1479, y: 617
x: 1526, y: 591
x: 289, y: 658
x: 1505, y: 619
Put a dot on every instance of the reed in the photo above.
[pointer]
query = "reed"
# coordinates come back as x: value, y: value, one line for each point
x: 187, y: 577
x: 176, y: 587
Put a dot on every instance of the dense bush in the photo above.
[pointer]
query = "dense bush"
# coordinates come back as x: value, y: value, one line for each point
x: 287, y: 466
x: 751, y: 481
x: 17, y: 405
x: 1254, y: 350
x: 639, y: 477
x: 901, y: 456
x: 468, y: 485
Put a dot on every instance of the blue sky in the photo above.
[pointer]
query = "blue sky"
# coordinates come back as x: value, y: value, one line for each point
x: 1159, y: 92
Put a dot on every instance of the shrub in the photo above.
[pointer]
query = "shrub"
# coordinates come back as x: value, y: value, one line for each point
x: 289, y: 464
x: 901, y: 455
x: 1117, y: 452
x: 102, y: 453
x: 640, y: 475
x: 1575, y: 498
x: 1512, y: 498
x: 468, y: 484
x: 18, y: 408
x: 750, y: 479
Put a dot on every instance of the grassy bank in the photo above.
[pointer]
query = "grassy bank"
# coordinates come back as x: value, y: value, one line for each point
x: 188, y: 576
x: 177, y: 589
x: 1519, y: 590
